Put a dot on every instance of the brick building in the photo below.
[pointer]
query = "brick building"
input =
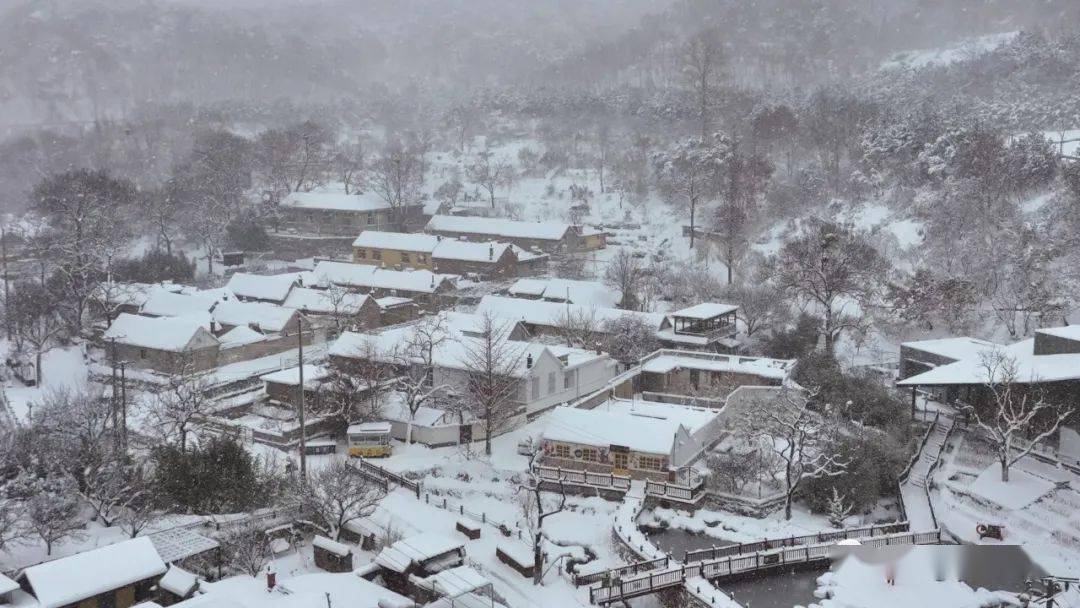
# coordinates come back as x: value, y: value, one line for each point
x: 336, y: 214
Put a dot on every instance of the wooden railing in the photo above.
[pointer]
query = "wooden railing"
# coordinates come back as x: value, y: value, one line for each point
x: 627, y: 570
x: 690, y: 492
x: 795, y: 541
x: 387, y: 477
x: 625, y: 589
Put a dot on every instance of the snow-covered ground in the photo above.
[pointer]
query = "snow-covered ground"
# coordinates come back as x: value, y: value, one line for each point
x: 64, y: 368
x: 944, y: 56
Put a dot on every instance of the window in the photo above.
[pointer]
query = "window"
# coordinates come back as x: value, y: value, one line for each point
x: 361, y: 254
x: 568, y: 379
x: 562, y: 450
x: 589, y: 455
x: 371, y: 218
x: 551, y: 382
x: 535, y: 388
x: 142, y: 353
x: 421, y: 258
x: 405, y: 257
x: 376, y: 253
x: 695, y: 378
x: 650, y: 463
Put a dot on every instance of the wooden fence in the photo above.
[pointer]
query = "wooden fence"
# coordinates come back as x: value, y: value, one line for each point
x: 374, y: 471
x: 627, y: 570
x: 623, y: 589
x: 864, y: 532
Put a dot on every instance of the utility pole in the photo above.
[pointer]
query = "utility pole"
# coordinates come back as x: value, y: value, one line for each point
x: 123, y: 406
x: 7, y: 293
x: 300, y: 404
x: 113, y: 409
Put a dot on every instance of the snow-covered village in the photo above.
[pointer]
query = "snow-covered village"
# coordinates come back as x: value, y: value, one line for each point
x: 540, y: 304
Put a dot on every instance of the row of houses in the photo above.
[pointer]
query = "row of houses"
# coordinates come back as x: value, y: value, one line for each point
x: 707, y: 327
x: 346, y: 215
x: 445, y: 255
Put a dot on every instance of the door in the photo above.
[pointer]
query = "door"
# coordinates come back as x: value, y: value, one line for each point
x: 621, y: 462
x: 465, y: 433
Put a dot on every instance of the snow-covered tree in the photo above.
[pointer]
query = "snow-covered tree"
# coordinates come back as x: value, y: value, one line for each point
x: 177, y: 409
x: 629, y: 338
x: 802, y: 438
x: 415, y: 360
x: 52, y: 509
x: 685, y: 174
x: 1016, y: 416
x: 839, y: 508
x: 397, y: 177
x: 625, y: 273
x: 489, y: 173
x: 246, y: 549
x: 492, y: 366
x: 338, y: 494
x: 833, y: 267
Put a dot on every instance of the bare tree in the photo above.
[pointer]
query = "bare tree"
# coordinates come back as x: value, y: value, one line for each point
x: 703, y: 64
x: 352, y: 389
x: 629, y: 338
x: 535, y: 509
x: 833, y: 267
x: 397, y: 177
x: 624, y: 272
x: 684, y: 174
x: 489, y: 173
x: 416, y: 358
x: 493, y: 376
x: 246, y: 548
x: 348, y: 164
x: 801, y: 437
x: 109, y: 487
x: 161, y: 211
x: 338, y: 494
x: 52, y: 509
x: 1015, y: 409
x: 137, y: 514
x: 205, y: 222
x: 179, y: 406
x: 760, y: 305
x: 578, y: 327
x: 33, y: 313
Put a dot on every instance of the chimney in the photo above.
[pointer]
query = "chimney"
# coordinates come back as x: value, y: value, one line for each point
x: 213, y: 327
x: 528, y: 361
x: 271, y: 578
x: 438, y: 238
x: 491, y: 251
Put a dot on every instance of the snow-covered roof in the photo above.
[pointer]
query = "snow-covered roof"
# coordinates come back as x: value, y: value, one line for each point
x: 455, y: 581
x: 642, y: 426
x: 161, y: 303
x: 398, y: 411
x: 1069, y: 332
x: 373, y: 277
x: 392, y: 301
x: 178, y: 581
x: 550, y: 231
x: 119, y: 294
x: 274, y: 287
x: 586, y: 293
x: 332, y: 546
x: 70, y: 580
x: 240, y: 335
x: 416, y: 549
x: 161, y: 333
x: 369, y: 427
x: 345, y: 589
x: 540, y: 312
x: 705, y: 310
x: 264, y: 315
x: 391, y: 346
x: 467, y: 251
x: 176, y: 544
x: 335, y: 201
x: 291, y: 376
x: 668, y: 361
x: 403, y: 241
x: 7, y: 585
x: 953, y: 348
x: 1029, y: 367
x: 322, y: 301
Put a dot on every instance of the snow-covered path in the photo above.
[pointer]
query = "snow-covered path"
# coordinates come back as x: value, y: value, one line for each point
x: 920, y: 514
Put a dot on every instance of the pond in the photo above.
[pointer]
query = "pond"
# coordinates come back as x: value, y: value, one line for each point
x: 998, y: 567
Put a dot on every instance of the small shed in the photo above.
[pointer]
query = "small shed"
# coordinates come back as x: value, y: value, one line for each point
x: 331, y: 555
x: 469, y: 528
x: 517, y: 556
x: 359, y: 532
x: 176, y: 586
x: 422, y: 556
